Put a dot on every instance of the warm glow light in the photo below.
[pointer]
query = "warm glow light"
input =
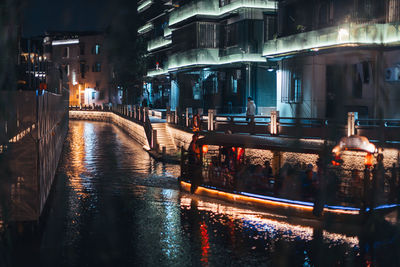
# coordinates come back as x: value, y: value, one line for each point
x: 205, y: 149
x: 269, y: 202
x: 368, y: 160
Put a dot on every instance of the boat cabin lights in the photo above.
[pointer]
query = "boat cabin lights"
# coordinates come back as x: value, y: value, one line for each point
x: 368, y: 160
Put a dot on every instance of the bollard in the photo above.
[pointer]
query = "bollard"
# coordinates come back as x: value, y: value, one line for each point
x: 211, y: 119
x: 176, y: 116
x: 351, y: 123
x: 274, y: 122
x: 134, y: 111
x: 187, y: 117
x: 140, y: 113
x: 146, y: 113
x: 168, y: 113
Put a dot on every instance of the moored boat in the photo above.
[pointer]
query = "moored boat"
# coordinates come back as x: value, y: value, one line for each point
x: 219, y: 168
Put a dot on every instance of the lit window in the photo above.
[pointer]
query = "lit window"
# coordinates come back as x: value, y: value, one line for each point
x: 96, y: 67
x: 96, y: 49
x: 291, y: 87
x: 66, y: 52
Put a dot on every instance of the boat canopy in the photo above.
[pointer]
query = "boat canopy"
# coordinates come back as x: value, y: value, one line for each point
x: 263, y: 142
x: 355, y: 143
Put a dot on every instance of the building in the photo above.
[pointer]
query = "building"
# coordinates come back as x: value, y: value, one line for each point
x: 208, y: 53
x: 83, y: 58
x: 336, y: 57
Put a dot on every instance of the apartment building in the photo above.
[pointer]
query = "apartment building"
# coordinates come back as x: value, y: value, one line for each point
x: 84, y: 60
x: 336, y: 57
x: 208, y: 53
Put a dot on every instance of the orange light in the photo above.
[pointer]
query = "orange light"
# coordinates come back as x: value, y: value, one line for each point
x: 261, y: 202
x: 368, y: 160
x: 205, y: 149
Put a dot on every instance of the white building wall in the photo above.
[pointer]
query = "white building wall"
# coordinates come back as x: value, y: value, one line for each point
x: 378, y: 95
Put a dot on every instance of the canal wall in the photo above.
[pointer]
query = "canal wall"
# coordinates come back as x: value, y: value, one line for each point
x: 134, y: 130
x: 31, y: 145
x: 352, y: 160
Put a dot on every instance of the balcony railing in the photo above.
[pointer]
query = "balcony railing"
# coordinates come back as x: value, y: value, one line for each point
x: 212, y: 8
x: 157, y: 43
x: 146, y: 28
x: 144, y: 5
x: 342, y: 35
x: 203, y: 57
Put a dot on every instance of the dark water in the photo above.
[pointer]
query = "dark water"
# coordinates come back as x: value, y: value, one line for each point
x: 113, y: 205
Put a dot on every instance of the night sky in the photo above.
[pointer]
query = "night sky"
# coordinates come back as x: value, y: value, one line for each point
x: 66, y: 15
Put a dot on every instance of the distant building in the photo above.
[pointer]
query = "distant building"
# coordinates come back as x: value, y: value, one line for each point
x: 208, y: 53
x: 83, y: 58
x: 337, y: 57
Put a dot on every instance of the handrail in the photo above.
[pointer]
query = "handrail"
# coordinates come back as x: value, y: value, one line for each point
x: 382, y: 130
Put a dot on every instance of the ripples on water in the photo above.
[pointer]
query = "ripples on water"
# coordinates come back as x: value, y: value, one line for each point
x: 115, y: 206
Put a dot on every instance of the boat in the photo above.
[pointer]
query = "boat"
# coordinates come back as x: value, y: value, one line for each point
x: 222, y: 168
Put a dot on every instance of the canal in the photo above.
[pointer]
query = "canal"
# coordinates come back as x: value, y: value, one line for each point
x: 113, y: 205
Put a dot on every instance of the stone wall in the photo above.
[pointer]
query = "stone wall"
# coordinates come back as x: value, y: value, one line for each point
x: 180, y: 137
x: 135, y: 130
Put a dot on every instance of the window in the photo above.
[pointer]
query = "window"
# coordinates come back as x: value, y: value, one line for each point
x: 231, y: 35
x: 269, y: 27
x: 96, y: 67
x: 96, y: 49
x: 82, y: 69
x: 93, y: 95
x: 82, y: 48
x: 291, y: 87
x: 67, y: 69
x: 66, y: 52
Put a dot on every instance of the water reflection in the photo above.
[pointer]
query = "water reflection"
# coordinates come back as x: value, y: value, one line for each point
x: 115, y: 206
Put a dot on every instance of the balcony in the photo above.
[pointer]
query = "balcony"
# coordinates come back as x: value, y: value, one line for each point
x: 346, y: 35
x: 146, y: 28
x: 143, y: 5
x: 155, y: 72
x: 211, y: 8
x: 157, y: 43
x: 202, y: 58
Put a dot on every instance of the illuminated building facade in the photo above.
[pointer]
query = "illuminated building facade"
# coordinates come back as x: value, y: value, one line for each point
x: 208, y: 53
x: 336, y: 57
x: 83, y: 58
